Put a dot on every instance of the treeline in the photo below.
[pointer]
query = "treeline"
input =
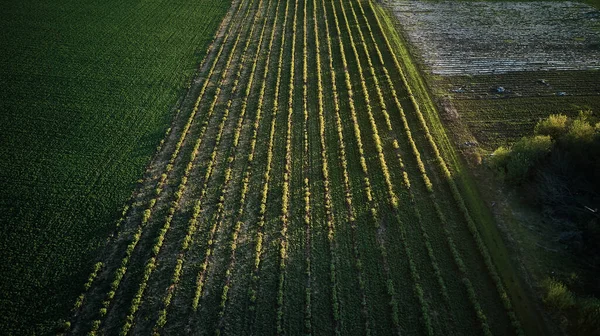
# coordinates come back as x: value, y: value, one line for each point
x: 558, y: 167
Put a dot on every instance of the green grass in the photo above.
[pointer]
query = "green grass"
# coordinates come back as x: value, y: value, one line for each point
x: 88, y: 91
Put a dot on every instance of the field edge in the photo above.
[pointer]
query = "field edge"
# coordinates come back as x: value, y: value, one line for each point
x: 522, y: 297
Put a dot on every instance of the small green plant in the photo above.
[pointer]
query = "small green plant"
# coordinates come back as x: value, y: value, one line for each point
x: 554, y: 126
x: 557, y: 295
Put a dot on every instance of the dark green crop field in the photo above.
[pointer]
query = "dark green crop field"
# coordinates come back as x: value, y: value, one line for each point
x: 88, y: 90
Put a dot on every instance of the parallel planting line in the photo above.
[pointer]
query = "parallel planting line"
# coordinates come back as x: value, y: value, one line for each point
x: 258, y: 248
x: 151, y: 263
x: 428, y: 185
x: 286, y: 182
x: 250, y: 165
x: 368, y: 190
x: 428, y: 246
x: 192, y: 225
x: 210, y: 239
x: 395, y: 141
x: 454, y: 189
x: 120, y: 272
x: 325, y: 172
x: 344, y: 162
x: 306, y: 168
x: 87, y: 285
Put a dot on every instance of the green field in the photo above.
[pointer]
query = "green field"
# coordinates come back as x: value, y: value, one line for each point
x: 88, y: 90
x: 306, y: 187
x: 498, y: 119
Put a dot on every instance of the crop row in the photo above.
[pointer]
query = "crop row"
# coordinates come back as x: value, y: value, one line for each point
x: 326, y: 183
x: 306, y: 168
x: 392, y: 196
x: 151, y: 263
x: 258, y: 247
x: 120, y: 272
x: 406, y: 180
x: 454, y: 189
x: 420, y: 164
x: 88, y: 284
x: 346, y: 178
x: 286, y: 181
x: 344, y: 163
x: 215, y: 223
x: 250, y: 159
x: 427, y: 183
x: 192, y: 225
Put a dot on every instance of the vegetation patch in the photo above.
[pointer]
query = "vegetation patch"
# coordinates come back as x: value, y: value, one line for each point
x: 89, y: 90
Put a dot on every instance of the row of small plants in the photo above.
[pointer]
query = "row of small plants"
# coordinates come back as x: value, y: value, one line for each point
x: 151, y: 264
x: 283, y: 243
x: 193, y: 223
x: 326, y: 183
x: 258, y: 248
x: 200, y: 279
x: 406, y: 180
x: 405, y: 177
x: 120, y: 272
x: 426, y: 181
x: 392, y: 196
x: 428, y: 185
x: 306, y: 168
x: 250, y: 158
x: 454, y: 189
x: 346, y: 182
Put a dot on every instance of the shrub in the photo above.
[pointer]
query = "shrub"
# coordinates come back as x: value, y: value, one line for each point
x: 554, y: 126
x: 525, y: 154
x: 581, y: 132
x: 557, y: 295
x: 589, y: 317
x: 499, y: 159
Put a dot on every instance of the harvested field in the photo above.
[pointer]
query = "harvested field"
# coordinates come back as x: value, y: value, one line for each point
x: 456, y: 37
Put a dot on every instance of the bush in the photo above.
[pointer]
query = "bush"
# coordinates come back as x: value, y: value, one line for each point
x: 499, y: 159
x: 525, y: 154
x: 580, y: 133
x: 589, y: 317
x: 557, y: 295
x: 555, y: 126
